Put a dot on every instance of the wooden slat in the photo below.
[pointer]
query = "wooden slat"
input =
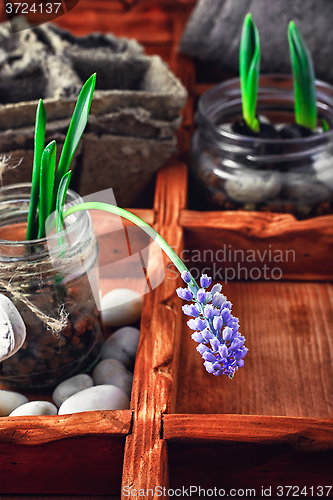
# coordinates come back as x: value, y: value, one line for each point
x: 304, y: 433
x: 145, y: 461
x: 303, y: 250
x: 35, y: 430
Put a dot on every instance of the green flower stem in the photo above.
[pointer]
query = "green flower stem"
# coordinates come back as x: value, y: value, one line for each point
x: 138, y: 222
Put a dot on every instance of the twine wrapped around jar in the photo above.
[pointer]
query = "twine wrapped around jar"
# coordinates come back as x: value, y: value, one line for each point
x: 30, y: 270
x: 14, y: 274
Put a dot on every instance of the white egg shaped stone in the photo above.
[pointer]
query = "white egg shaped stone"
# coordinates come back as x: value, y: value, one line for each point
x: 253, y: 187
x: 323, y: 166
x: 9, y: 401
x: 71, y: 386
x: 113, y: 372
x: 35, y: 408
x: 99, y: 397
x: 122, y: 345
x: 121, y: 306
x: 12, y: 328
x: 307, y: 190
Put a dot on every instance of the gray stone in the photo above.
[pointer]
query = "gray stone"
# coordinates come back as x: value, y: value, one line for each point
x: 113, y: 372
x: 12, y: 328
x: 101, y: 397
x: 214, y: 28
x: 71, y: 386
x: 253, y: 187
x: 9, y: 401
x: 35, y: 408
x: 122, y: 345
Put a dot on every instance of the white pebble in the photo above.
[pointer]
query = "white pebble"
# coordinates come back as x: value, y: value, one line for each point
x: 10, y: 400
x: 324, y: 171
x: 253, y: 187
x: 113, y: 372
x: 122, y: 345
x: 121, y: 306
x: 12, y: 328
x: 71, y: 386
x: 306, y: 190
x: 35, y: 408
x: 100, y: 397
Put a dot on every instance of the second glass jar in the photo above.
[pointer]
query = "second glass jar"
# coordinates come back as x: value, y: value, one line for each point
x: 233, y: 171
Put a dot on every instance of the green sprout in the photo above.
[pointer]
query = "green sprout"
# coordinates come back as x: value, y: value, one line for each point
x: 304, y: 79
x: 45, y: 177
x: 249, y: 68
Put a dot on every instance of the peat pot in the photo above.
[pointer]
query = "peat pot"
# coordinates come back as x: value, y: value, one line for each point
x: 55, y: 273
x: 235, y: 171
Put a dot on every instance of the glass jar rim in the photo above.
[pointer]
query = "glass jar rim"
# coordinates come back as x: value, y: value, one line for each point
x: 79, y: 217
x: 323, y: 89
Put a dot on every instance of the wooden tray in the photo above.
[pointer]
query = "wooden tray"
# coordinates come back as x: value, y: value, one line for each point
x: 273, y: 424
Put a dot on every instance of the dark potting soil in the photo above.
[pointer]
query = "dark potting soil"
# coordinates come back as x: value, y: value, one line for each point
x: 269, y: 131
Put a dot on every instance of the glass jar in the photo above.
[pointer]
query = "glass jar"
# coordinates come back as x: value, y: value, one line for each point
x: 54, y: 272
x: 234, y: 171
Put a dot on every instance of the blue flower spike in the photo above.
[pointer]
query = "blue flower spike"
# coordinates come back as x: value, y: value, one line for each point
x: 221, y: 345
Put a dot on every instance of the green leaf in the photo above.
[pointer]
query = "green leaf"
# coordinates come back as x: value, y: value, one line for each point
x: 61, y: 196
x: 325, y: 125
x: 249, y: 69
x: 40, y: 126
x: 47, y: 172
x: 304, y: 79
x: 75, y: 131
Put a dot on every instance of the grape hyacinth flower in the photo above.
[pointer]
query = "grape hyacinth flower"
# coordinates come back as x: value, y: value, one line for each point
x: 216, y: 330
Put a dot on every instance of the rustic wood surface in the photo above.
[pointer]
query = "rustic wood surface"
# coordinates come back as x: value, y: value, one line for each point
x: 289, y: 367
x: 145, y: 460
